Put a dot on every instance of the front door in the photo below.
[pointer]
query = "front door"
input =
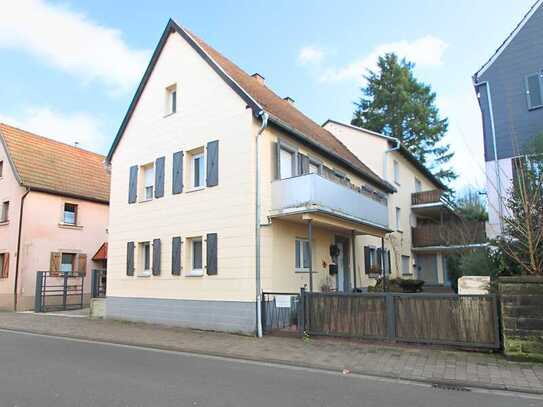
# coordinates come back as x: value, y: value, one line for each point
x: 340, y: 279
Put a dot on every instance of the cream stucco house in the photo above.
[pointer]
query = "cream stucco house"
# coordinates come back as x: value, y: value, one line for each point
x: 221, y: 189
x: 54, y: 212
x: 425, y: 227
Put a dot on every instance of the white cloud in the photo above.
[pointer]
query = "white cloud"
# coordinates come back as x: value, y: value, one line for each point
x: 67, y: 128
x: 72, y: 42
x: 424, y: 52
x: 310, y: 55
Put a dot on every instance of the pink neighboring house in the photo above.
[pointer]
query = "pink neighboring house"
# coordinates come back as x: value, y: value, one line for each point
x: 53, y: 212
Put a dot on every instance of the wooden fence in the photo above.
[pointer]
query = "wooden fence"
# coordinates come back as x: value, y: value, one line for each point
x: 469, y: 321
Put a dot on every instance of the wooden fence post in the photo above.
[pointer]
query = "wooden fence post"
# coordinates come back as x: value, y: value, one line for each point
x: 391, y: 316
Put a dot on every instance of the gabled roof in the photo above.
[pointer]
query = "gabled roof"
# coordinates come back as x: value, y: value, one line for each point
x: 259, y: 98
x: 508, y: 40
x: 45, y: 165
x: 403, y: 151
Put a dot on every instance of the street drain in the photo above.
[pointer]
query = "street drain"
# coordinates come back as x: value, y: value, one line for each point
x: 449, y: 387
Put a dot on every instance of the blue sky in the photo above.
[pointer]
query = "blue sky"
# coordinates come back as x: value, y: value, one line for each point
x: 70, y: 68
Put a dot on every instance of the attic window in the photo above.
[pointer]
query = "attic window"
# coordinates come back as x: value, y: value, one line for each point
x: 534, y: 90
x: 171, y: 99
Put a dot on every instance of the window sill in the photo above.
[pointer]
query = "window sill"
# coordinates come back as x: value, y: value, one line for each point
x: 304, y: 271
x: 69, y: 226
x: 144, y: 274
x: 169, y: 114
x: 399, y: 231
x: 4, y: 223
x: 195, y: 273
x: 195, y: 189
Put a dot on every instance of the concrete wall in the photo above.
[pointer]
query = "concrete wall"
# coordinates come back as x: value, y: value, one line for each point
x: 522, y: 320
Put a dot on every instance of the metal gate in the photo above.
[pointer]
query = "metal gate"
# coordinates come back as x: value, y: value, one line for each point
x: 58, y: 291
x: 98, y: 288
x: 281, y: 313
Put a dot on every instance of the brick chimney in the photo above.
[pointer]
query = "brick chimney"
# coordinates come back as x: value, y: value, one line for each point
x: 259, y: 78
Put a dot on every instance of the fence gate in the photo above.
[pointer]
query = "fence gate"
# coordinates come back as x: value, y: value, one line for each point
x: 98, y: 288
x: 281, y: 313
x: 58, y: 291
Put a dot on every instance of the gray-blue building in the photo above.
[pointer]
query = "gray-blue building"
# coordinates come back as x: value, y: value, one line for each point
x: 509, y: 87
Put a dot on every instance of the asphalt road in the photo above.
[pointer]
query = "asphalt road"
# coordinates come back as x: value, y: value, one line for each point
x: 46, y: 371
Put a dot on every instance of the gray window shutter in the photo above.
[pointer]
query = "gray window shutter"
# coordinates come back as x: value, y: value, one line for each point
x: 367, y: 259
x: 534, y: 91
x: 176, y: 256
x: 133, y: 185
x: 211, y: 254
x: 156, y: 257
x: 177, y: 176
x: 159, y: 177
x: 212, y: 163
x: 389, y: 265
x: 380, y: 258
x: 130, y: 259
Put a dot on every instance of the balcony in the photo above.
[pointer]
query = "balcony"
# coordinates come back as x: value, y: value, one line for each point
x: 448, y: 234
x: 313, y: 193
x: 429, y: 203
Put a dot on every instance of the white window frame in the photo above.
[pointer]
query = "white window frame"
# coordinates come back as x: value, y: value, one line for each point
x: 74, y: 259
x: 418, y: 185
x: 2, y: 263
x: 172, y: 100
x: 145, y: 169
x: 195, y: 272
x: 145, y: 250
x: 202, y: 175
x: 4, y: 212
x: 398, y: 219
x: 529, y: 101
x: 299, y: 247
x: 75, y: 214
x: 396, y: 171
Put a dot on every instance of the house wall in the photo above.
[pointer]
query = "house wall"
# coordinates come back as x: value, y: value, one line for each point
x: 11, y: 191
x: 44, y: 232
x: 514, y: 123
x: 278, y: 237
x: 371, y: 149
x: 499, y: 178
x: 207, y: 110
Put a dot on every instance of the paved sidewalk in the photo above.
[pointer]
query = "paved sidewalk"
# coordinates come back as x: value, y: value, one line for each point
x: 426, y: 364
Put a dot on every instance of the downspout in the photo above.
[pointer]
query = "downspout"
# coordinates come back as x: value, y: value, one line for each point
x: 494, y: 145
x: 264, y: 116
x: 21, y: 208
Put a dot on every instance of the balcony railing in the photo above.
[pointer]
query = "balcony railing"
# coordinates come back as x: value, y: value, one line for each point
x: 449, y: 234
x: 427, y: 197
x: 312, y: 192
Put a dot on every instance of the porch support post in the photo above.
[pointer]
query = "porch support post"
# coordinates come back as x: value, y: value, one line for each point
x: 353, y: 239
x: 383, y: 263
x: 310, y: 238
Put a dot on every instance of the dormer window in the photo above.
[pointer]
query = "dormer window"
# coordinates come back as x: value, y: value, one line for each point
x: 171, y: 99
